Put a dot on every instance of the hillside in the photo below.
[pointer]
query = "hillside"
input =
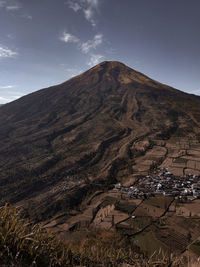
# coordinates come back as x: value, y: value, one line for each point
x: 111, y: 123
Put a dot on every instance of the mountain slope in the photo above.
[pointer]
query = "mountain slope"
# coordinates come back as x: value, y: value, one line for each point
x: 60, y: 143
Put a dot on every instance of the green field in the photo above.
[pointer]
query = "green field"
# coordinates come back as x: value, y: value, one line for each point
x: 148, y: 243
x: 195, y: 247
x: 159, y: 201
x: 125, y: 207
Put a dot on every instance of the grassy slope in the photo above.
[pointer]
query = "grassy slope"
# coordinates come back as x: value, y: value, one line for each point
x: 23, y: 245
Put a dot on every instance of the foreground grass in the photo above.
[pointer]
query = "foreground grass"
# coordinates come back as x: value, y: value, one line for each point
x: 23, y: 245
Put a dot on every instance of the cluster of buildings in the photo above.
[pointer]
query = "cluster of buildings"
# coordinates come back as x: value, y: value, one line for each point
x: 163, y: 182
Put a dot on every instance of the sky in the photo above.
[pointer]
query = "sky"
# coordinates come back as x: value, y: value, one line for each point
x: 46, y: 42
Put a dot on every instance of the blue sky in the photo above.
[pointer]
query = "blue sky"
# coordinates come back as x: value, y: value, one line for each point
x: 45, y: 42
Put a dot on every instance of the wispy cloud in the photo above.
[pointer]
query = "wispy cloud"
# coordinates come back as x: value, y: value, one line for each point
x: 69, y: 38
x: 26, y: 16
x: 74, y: 5
x: 6, y: 99
x: 7, y: 86
x: 7, y: 53
x: 88, y: 7
x: 95, y: 59
x: 3, y: 100
x: 195, y: 91
x: 13, y: 7
x: 10, y: 5
x: 8, y: 94
x: 86, y: 47
x: 89, y: 15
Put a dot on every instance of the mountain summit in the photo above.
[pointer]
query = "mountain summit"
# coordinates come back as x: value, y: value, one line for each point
x: 61, y: 143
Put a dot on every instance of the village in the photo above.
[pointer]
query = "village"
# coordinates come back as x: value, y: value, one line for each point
x: 161, y: 181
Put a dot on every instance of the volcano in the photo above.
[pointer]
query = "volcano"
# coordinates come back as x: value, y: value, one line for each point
x: 110, y: 124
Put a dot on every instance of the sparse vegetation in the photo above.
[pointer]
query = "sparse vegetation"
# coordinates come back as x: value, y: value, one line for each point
x: 125, y: 207
x: 195, y: 247
x: 25, y: 245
